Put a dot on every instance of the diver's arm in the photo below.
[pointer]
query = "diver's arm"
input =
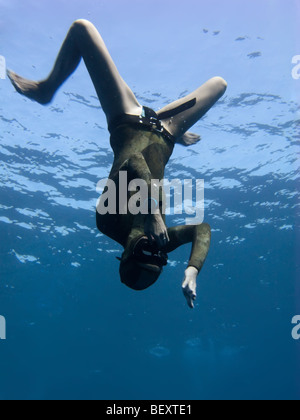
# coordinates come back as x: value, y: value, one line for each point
x: 138, y: 168
x: 201, y: 245
x: 200, y: 236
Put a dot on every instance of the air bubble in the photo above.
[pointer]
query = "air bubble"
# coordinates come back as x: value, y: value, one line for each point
x: 159, y: 352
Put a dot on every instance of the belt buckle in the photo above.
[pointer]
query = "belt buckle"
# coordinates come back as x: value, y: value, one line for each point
x: 156, y: 124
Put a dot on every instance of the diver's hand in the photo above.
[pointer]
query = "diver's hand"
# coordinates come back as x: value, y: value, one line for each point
x: 156, y: 230
x: 189, y: 286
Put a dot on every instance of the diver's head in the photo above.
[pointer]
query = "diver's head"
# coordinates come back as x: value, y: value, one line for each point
x: 143, y: 266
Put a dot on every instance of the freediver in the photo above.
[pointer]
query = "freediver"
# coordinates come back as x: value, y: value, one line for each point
x: 143, y: 142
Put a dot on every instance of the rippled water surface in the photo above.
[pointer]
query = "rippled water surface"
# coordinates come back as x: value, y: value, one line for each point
x: 73, y: 331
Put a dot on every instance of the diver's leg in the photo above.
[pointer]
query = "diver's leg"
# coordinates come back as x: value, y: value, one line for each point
x: 84, y: 41
x: 206, y: 96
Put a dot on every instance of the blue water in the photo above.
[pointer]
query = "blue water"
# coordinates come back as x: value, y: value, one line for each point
x: 73, y: 331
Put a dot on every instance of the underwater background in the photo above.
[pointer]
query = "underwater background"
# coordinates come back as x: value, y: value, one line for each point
x: 73, y: 330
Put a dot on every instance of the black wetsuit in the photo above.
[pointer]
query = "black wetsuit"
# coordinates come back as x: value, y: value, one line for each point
x: 144, y: 153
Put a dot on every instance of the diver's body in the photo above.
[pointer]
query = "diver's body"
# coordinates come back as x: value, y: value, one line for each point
x: 141, y: 149
x: 142, y: 154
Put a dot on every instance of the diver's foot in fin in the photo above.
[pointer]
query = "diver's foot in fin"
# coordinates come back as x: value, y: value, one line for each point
x: 188, y: 139
x: 36, y: 91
